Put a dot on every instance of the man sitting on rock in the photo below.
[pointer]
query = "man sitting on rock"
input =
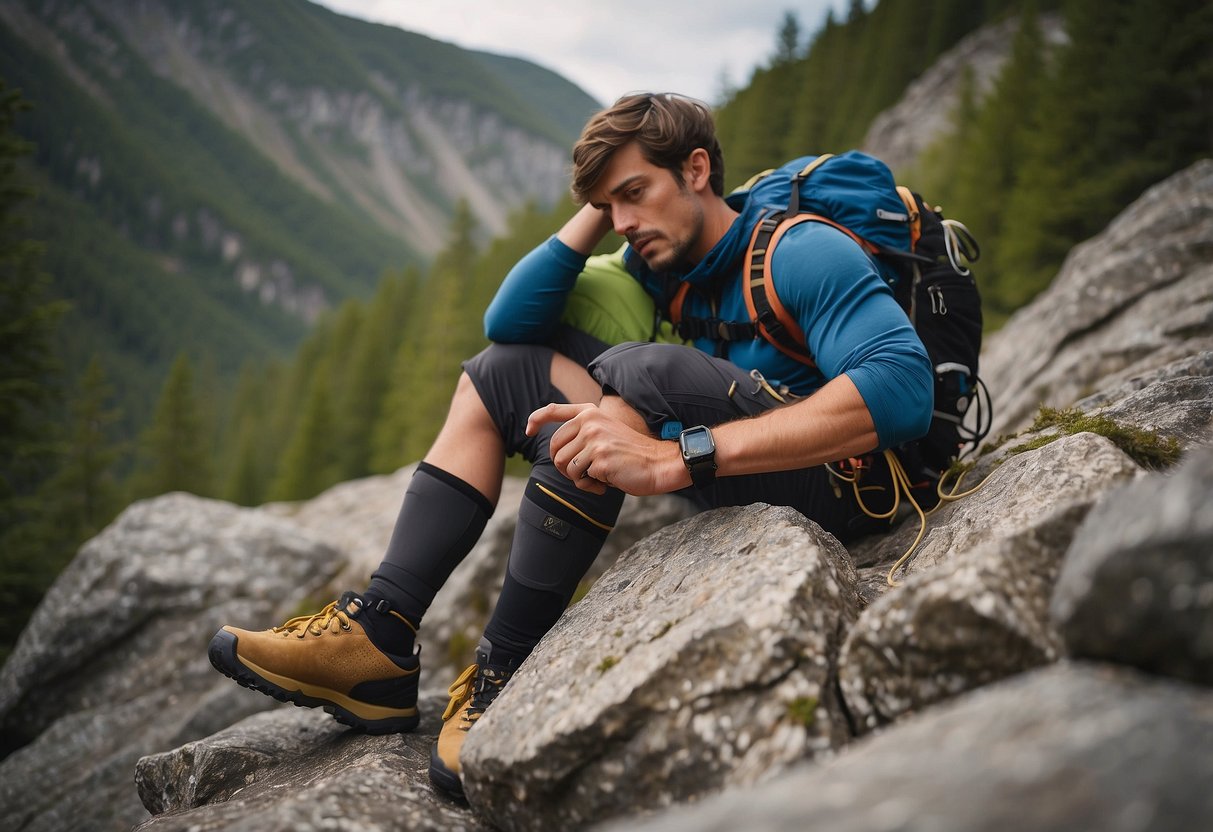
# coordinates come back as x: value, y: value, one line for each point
x: 640, y: 418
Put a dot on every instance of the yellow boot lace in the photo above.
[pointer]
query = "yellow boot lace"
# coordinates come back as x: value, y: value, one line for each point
x: 460, y: 690
x: 316, y: 623
x: 481, y: 687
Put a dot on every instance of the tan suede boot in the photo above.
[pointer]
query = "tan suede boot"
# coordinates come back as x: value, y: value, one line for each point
x: 471, y: 694
x: 329, y: 660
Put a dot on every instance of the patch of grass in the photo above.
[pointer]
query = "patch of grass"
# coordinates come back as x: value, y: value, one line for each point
x: 803, y: 710
x: 607, y: 663
x: 1146, y: 448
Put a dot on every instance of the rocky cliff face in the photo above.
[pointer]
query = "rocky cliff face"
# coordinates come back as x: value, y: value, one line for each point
x: 924, y: 113
x: 1044, y: 662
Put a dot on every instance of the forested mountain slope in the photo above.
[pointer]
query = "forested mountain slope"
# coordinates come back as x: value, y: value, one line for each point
x: 1075, y: 125
x: 212, y: 176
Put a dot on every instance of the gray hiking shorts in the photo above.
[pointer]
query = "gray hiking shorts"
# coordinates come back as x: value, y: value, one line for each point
x: 514, y: 380
x: 666, y: 384
x: 683, y: 387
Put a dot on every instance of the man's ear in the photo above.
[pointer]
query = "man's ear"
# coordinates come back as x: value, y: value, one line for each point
x: 697, y: 170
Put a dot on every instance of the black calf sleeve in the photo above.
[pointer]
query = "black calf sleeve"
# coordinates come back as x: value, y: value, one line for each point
x: 440, y: 521
x: 560, y: 531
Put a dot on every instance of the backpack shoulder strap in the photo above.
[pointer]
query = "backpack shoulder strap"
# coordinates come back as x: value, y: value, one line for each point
x: 907, y: 198
x: 767, y: 312
x: 676, y: 302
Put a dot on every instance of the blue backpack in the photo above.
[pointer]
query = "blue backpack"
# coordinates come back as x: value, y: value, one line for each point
x: 920, y: 255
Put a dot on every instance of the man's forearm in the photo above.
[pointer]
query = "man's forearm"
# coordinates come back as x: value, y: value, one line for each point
x: 834, y: 423
x: 595, y: 447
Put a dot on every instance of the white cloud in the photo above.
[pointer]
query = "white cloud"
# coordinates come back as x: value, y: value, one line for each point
x: 613, y: 47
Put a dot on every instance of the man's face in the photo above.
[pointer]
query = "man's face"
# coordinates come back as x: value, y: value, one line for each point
x: 661, y: 219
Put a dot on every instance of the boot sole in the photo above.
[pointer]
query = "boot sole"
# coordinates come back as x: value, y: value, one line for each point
x: 382, y: 720
x: 443, y: 778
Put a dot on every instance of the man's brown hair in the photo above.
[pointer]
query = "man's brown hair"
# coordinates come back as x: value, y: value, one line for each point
x: 667, y: 128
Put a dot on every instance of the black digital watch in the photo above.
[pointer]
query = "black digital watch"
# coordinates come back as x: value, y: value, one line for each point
x: 699, y: 453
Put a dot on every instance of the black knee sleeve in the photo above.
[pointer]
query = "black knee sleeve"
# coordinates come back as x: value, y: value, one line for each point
x: 440, y: 521
x: 558, y: 536
x: 558, y: 539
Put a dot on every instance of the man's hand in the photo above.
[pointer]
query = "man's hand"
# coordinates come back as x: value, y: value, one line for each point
x: 595, y: 450
x: 585, y: 229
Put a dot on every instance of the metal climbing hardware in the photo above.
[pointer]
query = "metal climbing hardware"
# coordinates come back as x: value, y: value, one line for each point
x: 937, y: 303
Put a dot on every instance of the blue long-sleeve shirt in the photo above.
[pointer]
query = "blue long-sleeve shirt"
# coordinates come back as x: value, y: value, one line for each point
x: 851, y: 321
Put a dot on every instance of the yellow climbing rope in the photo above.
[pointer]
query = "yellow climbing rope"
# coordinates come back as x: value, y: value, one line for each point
x: 903, y: 486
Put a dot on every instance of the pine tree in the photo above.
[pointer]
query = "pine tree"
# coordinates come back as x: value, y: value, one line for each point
x: 340, y: 359
x: 370, y: 362
x: 292, y: 391
x: 245, y: 485
x: 84, y: 490
x: 396, y: 415
x: 247, y: 451
x: 176, y: 448
x: 1128, y: 103
x: 787, y: 42
x: 29, y: 370
x: 310, y: 463
x: 29, y: 373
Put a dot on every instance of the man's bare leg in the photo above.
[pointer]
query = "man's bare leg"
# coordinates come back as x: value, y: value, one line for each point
x: 469, y: 446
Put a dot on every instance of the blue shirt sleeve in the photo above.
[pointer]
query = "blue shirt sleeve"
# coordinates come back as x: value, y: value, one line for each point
x: 854, y: 326
x: 531, y: 299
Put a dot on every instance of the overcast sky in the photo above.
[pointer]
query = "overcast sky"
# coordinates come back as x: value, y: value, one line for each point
x: 611, y: 47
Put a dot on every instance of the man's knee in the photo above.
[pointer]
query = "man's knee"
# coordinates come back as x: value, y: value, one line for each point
x: 504, y: 361
x: 512, y: 380
x: 667, y: 383
x: 639, y: 373
x: 636, y: 362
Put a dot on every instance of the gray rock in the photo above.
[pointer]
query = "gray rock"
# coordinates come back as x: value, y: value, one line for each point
x: 298, y: 769
x: 1026, y: 492
x: 1059, y: 749
x: 964, y: 624
x: 975, y: 607
x: 704, y: 657
x: 1175, y: 400
x: 1133, y: 299
x: 113, y: 663
x: 457, y: 618
x: 1137, y: 584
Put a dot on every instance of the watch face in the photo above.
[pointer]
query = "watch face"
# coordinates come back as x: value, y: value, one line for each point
x: 697, y: 443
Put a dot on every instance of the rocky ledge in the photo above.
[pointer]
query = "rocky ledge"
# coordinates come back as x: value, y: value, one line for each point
x: 1043, y: 661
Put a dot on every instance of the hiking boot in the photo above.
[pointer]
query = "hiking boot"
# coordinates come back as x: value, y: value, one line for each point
x: 471, y: 694
x: 336, y: 659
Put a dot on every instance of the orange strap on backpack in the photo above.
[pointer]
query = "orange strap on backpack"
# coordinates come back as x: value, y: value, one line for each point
x: 766, y: 311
